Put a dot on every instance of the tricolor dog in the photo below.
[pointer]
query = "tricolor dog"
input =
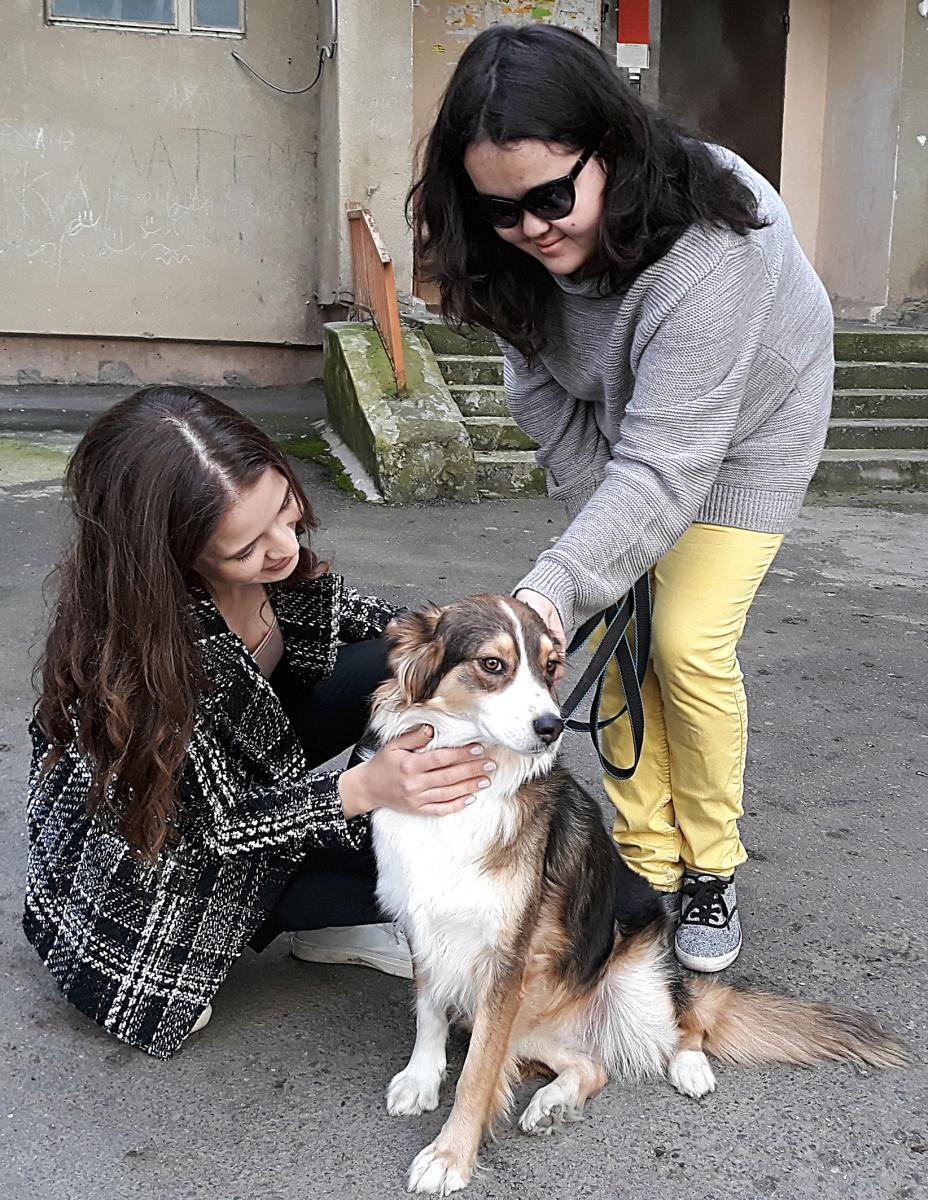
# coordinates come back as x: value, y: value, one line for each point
x: 526, y: 925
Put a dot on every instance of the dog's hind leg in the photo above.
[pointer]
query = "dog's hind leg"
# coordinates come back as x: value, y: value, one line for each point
x: 415, y: 1089
x: 578, y: 1078
x: 688, y: 1070
x: 690, y: 1073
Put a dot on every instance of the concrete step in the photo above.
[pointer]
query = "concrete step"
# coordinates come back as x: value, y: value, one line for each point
x: 879, y: 404
x: 878, y: 435
x: 891, y: 376
x: 503, y: 474
x: 497, y: 433
x: 881, y: 345
x: 469, y: 339
x: 853, y: 343
x: 860, y: 470
x: 866, y: 380
x: 486, y: 401
x: 471, y: 368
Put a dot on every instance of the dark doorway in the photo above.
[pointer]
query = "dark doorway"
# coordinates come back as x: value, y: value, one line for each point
x: 723, y: 72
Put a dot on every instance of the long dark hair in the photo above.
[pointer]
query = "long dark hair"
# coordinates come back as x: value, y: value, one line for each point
x: 121, y: 672
x: 553, y: 85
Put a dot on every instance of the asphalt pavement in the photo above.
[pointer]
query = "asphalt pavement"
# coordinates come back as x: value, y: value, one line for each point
x: 281, y: 1097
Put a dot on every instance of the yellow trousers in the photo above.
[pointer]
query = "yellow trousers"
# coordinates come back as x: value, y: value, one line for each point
x: 681, y: 807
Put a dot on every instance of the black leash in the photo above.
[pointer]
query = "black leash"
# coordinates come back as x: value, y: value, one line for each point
x: 633, y: 609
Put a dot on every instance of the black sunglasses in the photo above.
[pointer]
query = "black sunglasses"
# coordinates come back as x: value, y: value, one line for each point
x: 550, y: 201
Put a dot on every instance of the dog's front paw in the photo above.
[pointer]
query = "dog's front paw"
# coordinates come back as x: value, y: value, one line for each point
x: 690, y: 1073
x: 411, y: 1093
x: 437, y: 1172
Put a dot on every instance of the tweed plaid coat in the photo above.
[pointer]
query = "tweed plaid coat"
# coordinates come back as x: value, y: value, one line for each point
x: 142, y: 948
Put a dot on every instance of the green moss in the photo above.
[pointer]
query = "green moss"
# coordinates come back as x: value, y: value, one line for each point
x: 406, y: 442
x: 312, y: 448
x: 378, y: 363
x: 25, y: 462
x: 375, y: 360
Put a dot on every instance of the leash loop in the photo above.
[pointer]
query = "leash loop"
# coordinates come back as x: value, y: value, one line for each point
x: 633, y: 610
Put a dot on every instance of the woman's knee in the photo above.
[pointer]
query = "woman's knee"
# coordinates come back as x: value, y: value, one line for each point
x: 331, y: 715
x: 681, y: 652
x: 363, y: 665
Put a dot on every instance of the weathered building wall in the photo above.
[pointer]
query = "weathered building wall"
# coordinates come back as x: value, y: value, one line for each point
x: 908, y: 271
x: 153, y: 194
x: 804, y: 117
x: 443, y: 30
x: 859, y: 154
x: 436, y: 52
x: 151, y: 187
x: 365, y: 142
x: 855, y: 152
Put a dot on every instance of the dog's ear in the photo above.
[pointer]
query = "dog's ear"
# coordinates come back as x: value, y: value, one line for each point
x: 416, y: 653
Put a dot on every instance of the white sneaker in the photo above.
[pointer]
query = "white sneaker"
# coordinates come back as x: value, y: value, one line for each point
x: 383, y: 947
x: 202, y: 1020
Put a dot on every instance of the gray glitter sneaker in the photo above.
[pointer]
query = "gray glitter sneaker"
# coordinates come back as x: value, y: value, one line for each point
x: 708, y: 937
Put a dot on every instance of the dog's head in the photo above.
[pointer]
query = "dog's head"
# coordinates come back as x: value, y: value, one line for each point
x: 487, y: 664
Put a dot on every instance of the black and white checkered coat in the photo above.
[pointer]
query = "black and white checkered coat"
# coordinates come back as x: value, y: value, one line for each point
x: 142, y: 949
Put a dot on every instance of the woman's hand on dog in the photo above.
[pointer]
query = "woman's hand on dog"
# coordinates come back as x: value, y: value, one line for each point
x: 551, y: 617
x: 433, y: 783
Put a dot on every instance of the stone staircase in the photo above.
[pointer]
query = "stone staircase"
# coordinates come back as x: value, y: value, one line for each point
x: 472, y: 367
x: 877, y: 439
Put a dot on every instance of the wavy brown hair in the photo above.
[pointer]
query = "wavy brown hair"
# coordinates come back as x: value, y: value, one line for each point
x: 121, y: 674
x: 550, y: 84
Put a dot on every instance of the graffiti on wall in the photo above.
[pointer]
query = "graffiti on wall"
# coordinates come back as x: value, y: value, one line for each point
x: 159, y: 197
x: 470, y: 19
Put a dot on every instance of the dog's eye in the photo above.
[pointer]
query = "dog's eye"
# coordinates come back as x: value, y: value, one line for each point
x: 551, y: 665
x: 493, y: 666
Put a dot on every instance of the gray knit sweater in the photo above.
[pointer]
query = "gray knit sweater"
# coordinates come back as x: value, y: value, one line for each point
x: 700, y: 394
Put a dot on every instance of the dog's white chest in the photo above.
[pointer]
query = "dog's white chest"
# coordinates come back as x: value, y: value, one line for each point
x: 432, y: 879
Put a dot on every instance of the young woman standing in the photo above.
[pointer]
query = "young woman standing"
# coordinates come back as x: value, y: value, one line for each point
x: 669, y: 347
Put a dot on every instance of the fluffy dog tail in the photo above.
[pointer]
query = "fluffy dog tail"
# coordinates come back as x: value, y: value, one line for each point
x: 742, y: 1026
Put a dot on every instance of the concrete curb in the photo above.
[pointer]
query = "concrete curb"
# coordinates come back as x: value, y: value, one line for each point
x: 415, y: 447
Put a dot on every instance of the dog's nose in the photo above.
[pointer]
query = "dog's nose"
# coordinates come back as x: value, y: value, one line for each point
x: 549, y: 727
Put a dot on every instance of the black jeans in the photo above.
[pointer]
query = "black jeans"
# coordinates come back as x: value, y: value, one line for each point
x: 333, y: 885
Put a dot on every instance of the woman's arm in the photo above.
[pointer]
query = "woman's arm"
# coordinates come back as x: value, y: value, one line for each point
x: 675, y: 433
x: 252, y: 806
x: 571, y: 446
x: 363, y: 617
x: 326, y: 807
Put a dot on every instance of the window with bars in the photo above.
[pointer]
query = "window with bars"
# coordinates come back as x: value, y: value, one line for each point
x: 177, y: 16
